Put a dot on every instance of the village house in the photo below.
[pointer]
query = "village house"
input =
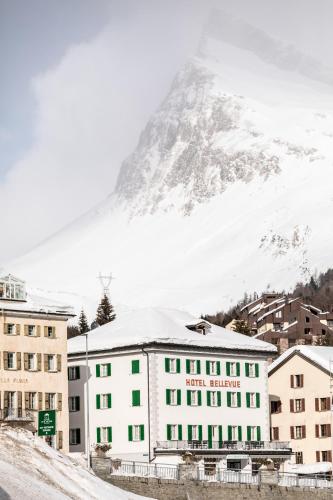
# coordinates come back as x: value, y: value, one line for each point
x: 33, y: 353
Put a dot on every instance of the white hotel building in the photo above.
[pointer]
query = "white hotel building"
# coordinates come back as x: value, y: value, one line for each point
x: 161, y: 382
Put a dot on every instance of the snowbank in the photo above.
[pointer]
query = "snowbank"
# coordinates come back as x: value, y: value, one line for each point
x: 30, y: 470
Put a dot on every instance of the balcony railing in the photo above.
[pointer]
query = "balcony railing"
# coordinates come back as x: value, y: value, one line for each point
x: 223, y: 445
x: 16, y: 414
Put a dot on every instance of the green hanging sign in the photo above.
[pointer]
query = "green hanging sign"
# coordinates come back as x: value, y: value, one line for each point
x: 47, y: 423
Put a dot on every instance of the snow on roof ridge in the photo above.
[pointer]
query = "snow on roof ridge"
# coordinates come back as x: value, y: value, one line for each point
x: 321, y: 355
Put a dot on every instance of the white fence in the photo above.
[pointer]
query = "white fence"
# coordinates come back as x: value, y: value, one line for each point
x: 169, y: 471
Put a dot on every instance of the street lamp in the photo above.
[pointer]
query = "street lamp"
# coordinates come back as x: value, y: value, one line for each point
x: 87, y: 404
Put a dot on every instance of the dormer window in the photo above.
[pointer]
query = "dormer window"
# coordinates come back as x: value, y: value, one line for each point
x: 12, y: 288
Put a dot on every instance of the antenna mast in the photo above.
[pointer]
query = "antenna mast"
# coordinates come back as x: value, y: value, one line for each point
x: 105, y: 281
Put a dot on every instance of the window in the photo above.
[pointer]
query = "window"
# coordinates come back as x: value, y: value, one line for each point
x: 194, y: 398
x: 298, y: 432
x: 307, y: 319
x: 10, y: 330
x: 253, y: 433
x: 172, y: 365
x: 172, y: 432
x: 307, y: 331
x: 173, y: 397
x: 50, y: 332
x: 73, y: 373
x: 326, y: 456
x: 213, y: 367
x: 136, y: 398
x: 31, y: 361
x: 276, y: 406
x: 278, y: 314
x: 31, y: 330
x: 323, y: 430
x: 253, y: 400
x: 275, y: 434
x: 233, y: 399
x: 299, y: 457
x: 233, y: 369
x: 103, y: 401
x: 193, y: 366
x: 323, y: 404
x: 296, y: 381
x: 104, y: 434
x: 11, y: 360
x: 31, y: 400
x: 74, y: 436
x: 51, y: 366
x: 213, y: 398
x: 234, y: 433
x: 74, y: 403
x: 11, y: 400
x: 299, y: 405
x: 103, y: 370
x: 136, y: 432
x: 194, y: 432
x: 252, y: 369
x: 51, y: 398
x: 135, y: 366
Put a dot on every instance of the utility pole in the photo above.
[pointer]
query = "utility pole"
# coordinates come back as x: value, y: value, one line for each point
x: 105, y: 281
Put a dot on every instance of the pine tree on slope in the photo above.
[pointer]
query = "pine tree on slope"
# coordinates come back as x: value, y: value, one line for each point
x: 105, y: 312
x: 83, y: 322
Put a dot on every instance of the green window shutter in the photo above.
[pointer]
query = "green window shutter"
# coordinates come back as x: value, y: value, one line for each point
x: 258, y: 434
x: 239, y: 401
x: 188, y: 366
x: 199, y: 398
x: 179, y: 397
x: 257, y: 369
x: 210, y: 437
x: 238, y: 369
x: 168, y: 432
x: 207, y: 368
x: 135, y: 398
x: 198, y: 367
x: 98, y: 401
x: 98, y: 370
x: 200, y: 432
x: 247, y: 370
x: 228, y: 368
x: 229, y: 433
x: 98, y: 437
x: 247, y: 400
x: 208, y: 398
x: 109, y: 401
x: 130, y: 432
x: 248, y: 433
x: 142, y: 432
x: 229, y: 399
x: 239, y: 433
x: 109, y: 369
x: 258, y: 400
x: 109, y: 434
x: 218, y: 398
x: 167, y: 365
x: 167, y: 395
x: 178, y: 365
x: 180, y: 432
x: 220, y: 436
x: 219, y: 368
x: 135, y: 366
x: 189, y: 432
x: 188, y: 398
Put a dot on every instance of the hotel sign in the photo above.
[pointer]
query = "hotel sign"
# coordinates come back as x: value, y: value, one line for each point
x: 46, y: 423
x: 199, y: 382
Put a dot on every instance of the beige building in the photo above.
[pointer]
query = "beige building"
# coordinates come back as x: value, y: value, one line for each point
x: 33, y: 358
x: 300, y: 385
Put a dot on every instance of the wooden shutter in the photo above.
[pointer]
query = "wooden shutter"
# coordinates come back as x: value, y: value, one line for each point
x: 200, y: 432
x: 229, y: 399
x: 25, y: 360
x: 303, y: 404
x: 142, y: 432
x: 218, y: 365
x: 19, y: 400
x: 208, y: 398
x: 109, y: 401
x: 59, y: 401
x: 169, y: 432
x: 199, y: 398
x: 38, y: 330
x: 47, y: 401
x: 302, y: 381
x: 39, y: 361
x: 329, y: 455
x: 317, y: 456
x: 239, y: 400
x: 109, y: 434
x: 317, y: 430
x: 208, y: 367
x: 303, y: 431
x: 276, y: 433
x: 258, y: 433
x: 210, y: 437
x: 135, y: 398
x: 292, y: 381
x: 5, y: 399
x: 238, y: 369
x: 130, y: 432
x: 328, y: 427
x: 98, y: 435
x: 178, y: 365
x: 188, y: 395
x: 179, y: 397
x: 291, y: 404
x: 218, y: 398
x: 109, y: 369
x: 59, y: 362
x: 26, y: 330
x: 77, y: 403
x: 258, y: 399
x: 98, y: 370
x: 256, y: 367
x: 292, y: 432
x: 18, y: 329
x: 26, y: 401
x: 220, y: 436
x: 180, y: 432
x: 77, y: 372
x: 239, y: 433
x: 247, y: 370
x: 228, y: 368
x: 5, y: 360
x: 40, y: 401
x: 60, y: 440
x: 45, y: 362
x: 247, y: 400
x: 198, y: 367
x: 188, y: 369
x: 18, y: 361
x: 167, y: 365
x: 45, y: 331
x: 328, y: 403
x: 248, y: 433
x: 189, y: 432
x: 167, y: 396
x: 229, y: 432
x: 98, y: 401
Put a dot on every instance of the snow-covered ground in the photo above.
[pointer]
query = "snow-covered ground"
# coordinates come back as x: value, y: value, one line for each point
x: 31, y: 470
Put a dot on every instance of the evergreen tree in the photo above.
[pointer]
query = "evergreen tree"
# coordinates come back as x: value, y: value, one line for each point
x: 83, y: 322
x: 241, y: 326
x: 105, y: 312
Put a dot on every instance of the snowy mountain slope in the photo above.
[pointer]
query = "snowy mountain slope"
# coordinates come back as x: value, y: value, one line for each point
x: 229, y: 190
x: 30, y: 469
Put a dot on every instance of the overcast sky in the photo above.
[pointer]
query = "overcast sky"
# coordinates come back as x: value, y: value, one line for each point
x: 80, y: 78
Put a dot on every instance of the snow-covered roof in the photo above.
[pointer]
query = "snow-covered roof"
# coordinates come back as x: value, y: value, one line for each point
x: 163, y: 326
x: 270, y: 312
x: 290, y: 325
x: 316, y: 468
x: 321, y: 355
x: 37, y: 304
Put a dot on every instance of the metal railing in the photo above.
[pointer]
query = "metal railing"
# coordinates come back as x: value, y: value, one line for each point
x: 145, y: 469
x: 223, y: 445
x: 16, y: 414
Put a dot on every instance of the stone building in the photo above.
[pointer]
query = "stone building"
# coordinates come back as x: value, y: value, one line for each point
x: 33, y: 358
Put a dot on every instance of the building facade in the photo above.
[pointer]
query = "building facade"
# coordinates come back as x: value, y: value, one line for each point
x: 300, y: 386
x: 33, y: 359
x: 161, y: 388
